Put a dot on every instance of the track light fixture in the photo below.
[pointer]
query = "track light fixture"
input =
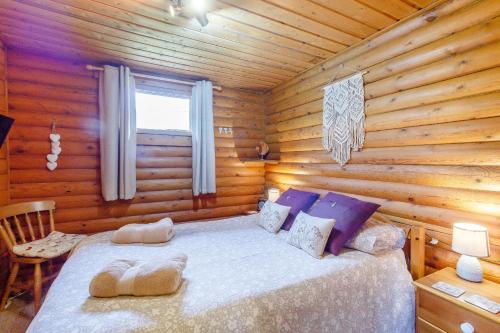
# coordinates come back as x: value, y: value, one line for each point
x: 202, y: 19
x: 197, y: 8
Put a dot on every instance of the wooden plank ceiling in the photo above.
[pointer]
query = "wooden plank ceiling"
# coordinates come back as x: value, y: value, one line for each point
x: 250, y: 44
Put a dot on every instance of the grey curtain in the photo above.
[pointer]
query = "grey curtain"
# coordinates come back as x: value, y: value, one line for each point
x: 118, y: 133
x: 202, y: 129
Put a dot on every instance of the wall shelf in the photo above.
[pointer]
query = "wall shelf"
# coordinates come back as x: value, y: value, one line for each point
x: 258, y: 162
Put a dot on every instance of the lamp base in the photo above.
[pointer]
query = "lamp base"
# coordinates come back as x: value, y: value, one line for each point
x: 469, y: 268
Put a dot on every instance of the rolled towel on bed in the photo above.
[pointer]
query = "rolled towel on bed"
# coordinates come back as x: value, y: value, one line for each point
x: 139, y: 278
x: 157, y: 232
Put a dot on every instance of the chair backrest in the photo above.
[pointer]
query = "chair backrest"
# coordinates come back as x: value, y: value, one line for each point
x: 12, y: 229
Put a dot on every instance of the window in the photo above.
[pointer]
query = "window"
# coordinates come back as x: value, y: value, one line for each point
x: 160, y: 112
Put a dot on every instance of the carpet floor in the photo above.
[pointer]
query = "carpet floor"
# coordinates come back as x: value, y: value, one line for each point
x: 18, y: 315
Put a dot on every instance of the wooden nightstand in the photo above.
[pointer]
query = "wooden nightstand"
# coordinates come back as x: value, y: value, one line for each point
x: 438, y: 312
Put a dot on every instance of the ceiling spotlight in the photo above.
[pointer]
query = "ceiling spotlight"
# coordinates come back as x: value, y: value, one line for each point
x: 190, y: 8
x: 199, y: 6
x: 202, y: 19
x: 175, y: 7
x: 171, y: 10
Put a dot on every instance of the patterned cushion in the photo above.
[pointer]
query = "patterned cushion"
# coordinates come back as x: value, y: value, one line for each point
x: 55, y: 244
x: 377, y: 237
x: 310, y: 233
x: 272, y: 216
x: 297, y: 201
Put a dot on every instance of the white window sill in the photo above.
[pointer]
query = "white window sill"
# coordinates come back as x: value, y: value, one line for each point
x: 164, y: 132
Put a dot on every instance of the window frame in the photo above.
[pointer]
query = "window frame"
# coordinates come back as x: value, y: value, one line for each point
x: 152, y: 87
x: 175, y: 132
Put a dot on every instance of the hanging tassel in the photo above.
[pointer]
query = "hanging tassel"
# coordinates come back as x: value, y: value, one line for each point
x: 357, y: 134
x: 341, y: 152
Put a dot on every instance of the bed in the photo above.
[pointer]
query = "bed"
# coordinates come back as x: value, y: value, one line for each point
x: 239, y: 278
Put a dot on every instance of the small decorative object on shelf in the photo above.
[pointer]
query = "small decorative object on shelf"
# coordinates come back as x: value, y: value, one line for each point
x: 263, y: 150
x: 448, y: 288
x: 483, y: 302
x: 471, y: 241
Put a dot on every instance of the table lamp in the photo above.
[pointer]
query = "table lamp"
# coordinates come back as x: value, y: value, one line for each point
x: 471, y: 241
x: 273, y: 194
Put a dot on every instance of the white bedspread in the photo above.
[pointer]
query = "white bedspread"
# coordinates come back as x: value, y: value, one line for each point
x: 239, y: 278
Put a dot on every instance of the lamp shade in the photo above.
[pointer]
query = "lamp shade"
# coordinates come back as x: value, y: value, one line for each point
x: 471, y: 240
x: 273, y: 194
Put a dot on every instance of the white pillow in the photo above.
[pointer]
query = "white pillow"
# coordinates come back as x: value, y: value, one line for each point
x: 272, y: 216
x: 376, y: 237
x: 310, y: 233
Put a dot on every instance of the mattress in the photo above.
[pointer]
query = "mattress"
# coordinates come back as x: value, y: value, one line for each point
x: 239, y: 278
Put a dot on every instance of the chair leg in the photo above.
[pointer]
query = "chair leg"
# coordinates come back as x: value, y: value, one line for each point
x: 8, y: 286
x: 38, y: 287
x: 51, y: 266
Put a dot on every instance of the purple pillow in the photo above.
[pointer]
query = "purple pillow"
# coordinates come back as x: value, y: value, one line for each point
x: 298, y: 201
x: 349, y: 214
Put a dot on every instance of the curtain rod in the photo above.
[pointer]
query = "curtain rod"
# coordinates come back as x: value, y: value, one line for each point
x: 152, y: 77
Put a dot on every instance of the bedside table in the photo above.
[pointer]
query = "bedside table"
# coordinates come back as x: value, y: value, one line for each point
x: 438, y: 312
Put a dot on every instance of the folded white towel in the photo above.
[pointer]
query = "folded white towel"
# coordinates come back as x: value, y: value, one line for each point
x: 139, y: 278
x: 157, y: 232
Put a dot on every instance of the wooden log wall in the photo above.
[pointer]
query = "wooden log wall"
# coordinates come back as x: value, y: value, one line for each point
x: 432, y: 149
x: 4, y: 169
x: 4, y: 161
x: 42, y: 89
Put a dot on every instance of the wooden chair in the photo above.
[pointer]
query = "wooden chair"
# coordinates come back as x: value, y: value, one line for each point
x: 13, y: 232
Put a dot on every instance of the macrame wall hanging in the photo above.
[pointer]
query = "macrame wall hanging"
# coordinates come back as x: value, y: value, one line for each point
x: 344, y: 117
